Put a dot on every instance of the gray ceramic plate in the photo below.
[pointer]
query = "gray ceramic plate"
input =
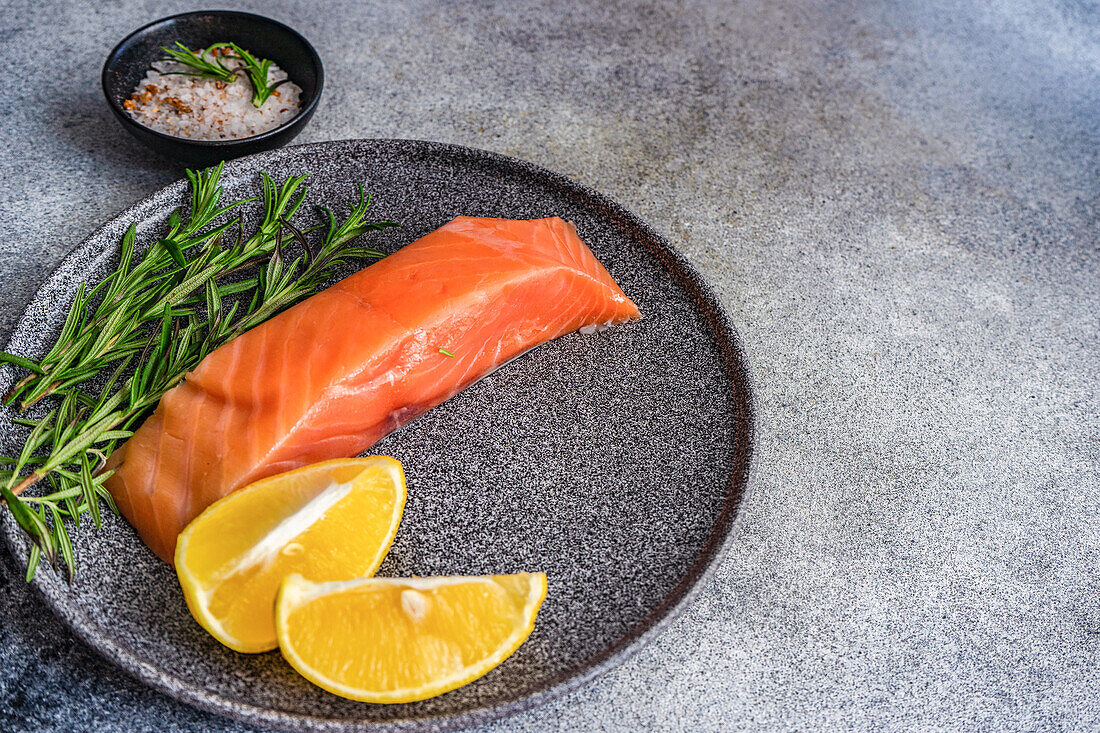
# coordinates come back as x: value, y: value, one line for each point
x: 615, y: 462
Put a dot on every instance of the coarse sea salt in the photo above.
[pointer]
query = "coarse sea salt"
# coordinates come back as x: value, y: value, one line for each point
x: 199, y: 108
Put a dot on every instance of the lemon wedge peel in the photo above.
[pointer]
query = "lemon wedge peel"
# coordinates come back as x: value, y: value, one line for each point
x: 197, y: 592
x: 296, y: 592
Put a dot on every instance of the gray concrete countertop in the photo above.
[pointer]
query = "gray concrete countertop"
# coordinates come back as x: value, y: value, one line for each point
x: 900, y: 208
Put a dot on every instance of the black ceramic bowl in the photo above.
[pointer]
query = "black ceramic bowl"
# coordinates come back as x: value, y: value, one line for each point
x: 127, y: 63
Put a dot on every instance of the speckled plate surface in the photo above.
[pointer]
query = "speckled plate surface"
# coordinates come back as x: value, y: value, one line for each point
x: 615, y: 462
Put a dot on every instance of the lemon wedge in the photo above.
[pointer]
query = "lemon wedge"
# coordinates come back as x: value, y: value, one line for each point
x: 390, y: 640
x: 332, y: 520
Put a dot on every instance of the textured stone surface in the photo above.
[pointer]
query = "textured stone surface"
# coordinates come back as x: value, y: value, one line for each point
x: 899, y: 210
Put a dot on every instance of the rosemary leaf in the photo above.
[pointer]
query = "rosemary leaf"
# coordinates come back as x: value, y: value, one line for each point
x: 20, y: 362
x: 32, y: 562
x: 64, y: 544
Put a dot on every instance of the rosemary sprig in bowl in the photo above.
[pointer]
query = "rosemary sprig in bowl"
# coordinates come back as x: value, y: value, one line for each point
x: 197, y: 61
x: 138, y: 332
x: 256, y: 69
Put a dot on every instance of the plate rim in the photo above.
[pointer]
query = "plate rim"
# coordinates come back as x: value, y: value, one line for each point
x: 738, y: 489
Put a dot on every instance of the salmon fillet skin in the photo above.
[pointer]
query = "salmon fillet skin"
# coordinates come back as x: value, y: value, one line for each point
x: 331, y: 376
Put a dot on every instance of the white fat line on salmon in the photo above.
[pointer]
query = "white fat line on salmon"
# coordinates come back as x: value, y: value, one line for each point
x: 274, y: 541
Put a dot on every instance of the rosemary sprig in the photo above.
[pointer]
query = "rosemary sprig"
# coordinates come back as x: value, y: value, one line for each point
x: 144, y: 327
x: 93, y: 338
x: 281, y: 285
x: 197, y: 60
x: 256, y: 69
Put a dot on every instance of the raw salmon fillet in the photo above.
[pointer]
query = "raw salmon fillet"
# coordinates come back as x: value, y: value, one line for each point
x: 334, y: 374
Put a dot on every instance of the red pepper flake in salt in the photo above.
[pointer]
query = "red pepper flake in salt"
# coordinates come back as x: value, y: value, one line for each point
x: 179, y: 105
